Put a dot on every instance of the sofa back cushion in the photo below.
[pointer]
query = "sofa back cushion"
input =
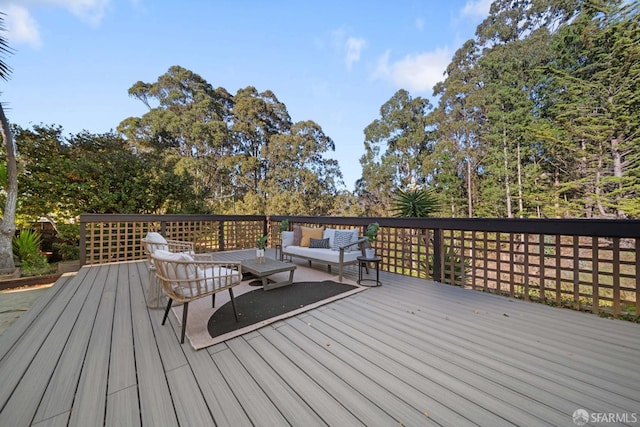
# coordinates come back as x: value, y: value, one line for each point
x: 287, y: 238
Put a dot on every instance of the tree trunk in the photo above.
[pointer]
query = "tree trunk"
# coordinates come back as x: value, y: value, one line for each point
x: 8, y: 223
x: 598, y: 190
x: 617, y: 171
x: 507, y: 187
x: 519, y: 166
x: 469, y: 190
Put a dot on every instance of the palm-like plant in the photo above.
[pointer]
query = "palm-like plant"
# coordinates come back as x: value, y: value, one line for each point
x: 415, y: 203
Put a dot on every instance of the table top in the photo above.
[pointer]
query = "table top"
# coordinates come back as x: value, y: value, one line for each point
x: 266, y: 268
x: 364, y: 258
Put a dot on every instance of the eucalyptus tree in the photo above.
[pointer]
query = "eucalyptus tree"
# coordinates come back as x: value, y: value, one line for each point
x: 396, y: 147
x: 458, y: 151
x: 8, y: 223
x: 189, y: 120
x: 257, y: 118
x: 302, y: 180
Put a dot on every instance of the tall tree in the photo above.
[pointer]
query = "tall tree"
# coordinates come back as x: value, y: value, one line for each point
x: 597, y: 100
x: 8, y: 223
x: 457, y: 152
x: 396, y: 147
x: 301, y: 179
x: 189, y: 120
x: 257, y: 117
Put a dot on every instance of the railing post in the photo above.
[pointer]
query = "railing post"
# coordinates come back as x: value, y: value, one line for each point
x: 438, y: 255
x: 265, y: 227
x: 221, y: 236
x: 83, y: 243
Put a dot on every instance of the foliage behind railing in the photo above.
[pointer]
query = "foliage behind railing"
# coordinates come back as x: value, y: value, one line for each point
x: 583, y: 264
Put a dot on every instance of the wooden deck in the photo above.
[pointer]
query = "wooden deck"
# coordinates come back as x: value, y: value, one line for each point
x: 409, y: 353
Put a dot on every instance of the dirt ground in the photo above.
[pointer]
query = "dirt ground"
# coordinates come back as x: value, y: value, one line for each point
x: 15, y: 302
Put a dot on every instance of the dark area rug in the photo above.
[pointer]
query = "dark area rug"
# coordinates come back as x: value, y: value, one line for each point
x: 258, y: 305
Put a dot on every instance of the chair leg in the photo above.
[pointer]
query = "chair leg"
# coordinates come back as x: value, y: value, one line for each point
x: 166, y: 311
x: 233, y: 304
x: 213, y: 301
x: 185, y: 309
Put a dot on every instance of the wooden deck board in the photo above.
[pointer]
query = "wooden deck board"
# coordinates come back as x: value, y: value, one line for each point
x: 360, y: 376
x: 156, y: 404
x: 90, y: 404
x: 525, y: 355
x: 24, y: 322
x: 331, y: 410
x: 122, y: 368
x: 411, y: 352
x: 63, y: 383
x: 36, y: 363
x: 289, y: 403
x: 483, y: 395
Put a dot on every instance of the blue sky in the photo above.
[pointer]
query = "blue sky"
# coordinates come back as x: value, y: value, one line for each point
x: 333, y: 62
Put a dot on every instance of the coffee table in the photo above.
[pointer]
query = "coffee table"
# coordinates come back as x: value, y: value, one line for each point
x: 266, y: 268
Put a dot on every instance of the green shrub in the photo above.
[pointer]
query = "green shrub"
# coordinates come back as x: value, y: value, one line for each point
x: 26, y: 248
x: 69, y: 245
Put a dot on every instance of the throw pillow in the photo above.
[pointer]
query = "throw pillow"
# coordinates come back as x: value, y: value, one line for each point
x: 319, y: 243
x: 328, y: 234
x: 342, y: 238
x: 297, y: 235
x: 155, y: 237
x: 156, y: 241
x: 310, y: 233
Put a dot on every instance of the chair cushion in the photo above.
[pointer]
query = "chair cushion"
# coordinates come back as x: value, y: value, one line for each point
x: 218, y: 277
x: 177, y: 271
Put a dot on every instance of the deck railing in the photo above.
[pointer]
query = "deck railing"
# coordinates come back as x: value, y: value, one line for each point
x: 584, y: 264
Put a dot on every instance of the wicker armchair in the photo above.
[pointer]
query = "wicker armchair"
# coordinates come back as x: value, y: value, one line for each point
x: 155, y: 241
x: 184, y: 279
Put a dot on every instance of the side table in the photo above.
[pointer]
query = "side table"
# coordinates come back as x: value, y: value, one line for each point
x: 362, y: 261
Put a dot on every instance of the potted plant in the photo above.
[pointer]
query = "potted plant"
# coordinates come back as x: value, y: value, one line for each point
x: 261, y: 245
x: 371, y: 234
x: 284, y: 225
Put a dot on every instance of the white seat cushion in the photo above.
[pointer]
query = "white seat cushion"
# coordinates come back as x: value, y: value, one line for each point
x: 178, y: 271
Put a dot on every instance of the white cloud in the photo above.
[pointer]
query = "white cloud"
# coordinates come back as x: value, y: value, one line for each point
x: 476, y: 8
x: 349, y: 46
x: 90, y: 11
x: 415, y: 72
x: 21, y: 27
x: 353, y: 47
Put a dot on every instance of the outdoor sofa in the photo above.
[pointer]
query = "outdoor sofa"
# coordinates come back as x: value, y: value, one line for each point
x: 329, y: 246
